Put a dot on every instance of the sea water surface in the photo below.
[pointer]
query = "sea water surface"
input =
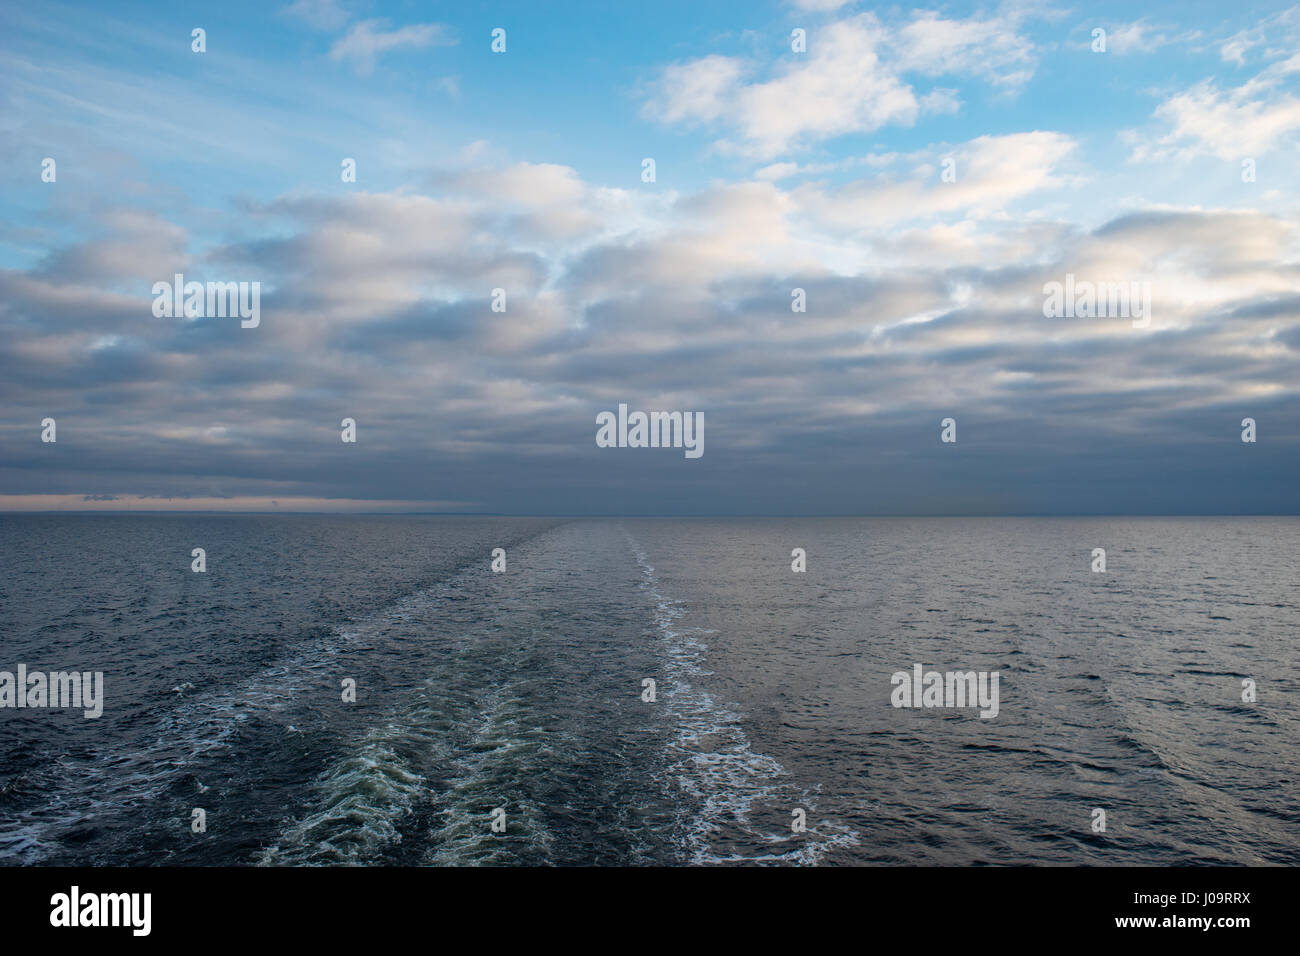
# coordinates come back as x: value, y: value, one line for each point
x: 523, y: 690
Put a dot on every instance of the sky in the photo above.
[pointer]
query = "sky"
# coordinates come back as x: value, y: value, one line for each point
x: 920, y: 174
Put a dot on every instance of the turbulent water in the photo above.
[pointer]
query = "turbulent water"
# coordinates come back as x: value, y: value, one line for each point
x: 523, y: 691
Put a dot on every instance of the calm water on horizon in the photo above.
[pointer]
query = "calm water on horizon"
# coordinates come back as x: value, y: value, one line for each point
x: 1119, y: 690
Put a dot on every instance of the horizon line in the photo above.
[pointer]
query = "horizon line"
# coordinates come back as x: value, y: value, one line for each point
x: 522, y: 514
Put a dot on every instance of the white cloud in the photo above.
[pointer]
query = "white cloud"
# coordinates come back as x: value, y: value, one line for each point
x: 366, y: 40
x: 840, y: 86
x: 849, y: 81
x: 819, y: 6
x: 699, y: 91
x: 1136, y: 37
x: 541, y: 201
x: 1282, y: 29
x: 1244, y: 121
x: 1229, y: 124
x: 991, y: 172
x: 321, y: 14
x: 992, y: 49
x: 775, y: 171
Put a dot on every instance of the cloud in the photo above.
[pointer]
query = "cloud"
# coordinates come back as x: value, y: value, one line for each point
x: 1211, y: 119
x: 924, y: 298
x: 849, y: 81
x: 1282, y: 28
x: 1229, y: 124
x: 319, y: 14
x: 365, y: 41
x: 841, y: 86
x: 777, y: 171
x: 1137, y: 37
x: 239, y: 503
x: 991, y: 172
x: 819, y: 6
x: 992, y: 49
x: 699, y: 91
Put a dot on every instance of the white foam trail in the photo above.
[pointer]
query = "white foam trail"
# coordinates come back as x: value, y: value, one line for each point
x: 710, y: 757
x: 503, y: 748
x: 196, y: 728
x: 365, y: 797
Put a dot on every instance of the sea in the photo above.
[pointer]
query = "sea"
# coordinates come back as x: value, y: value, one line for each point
x: 368, y: 690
